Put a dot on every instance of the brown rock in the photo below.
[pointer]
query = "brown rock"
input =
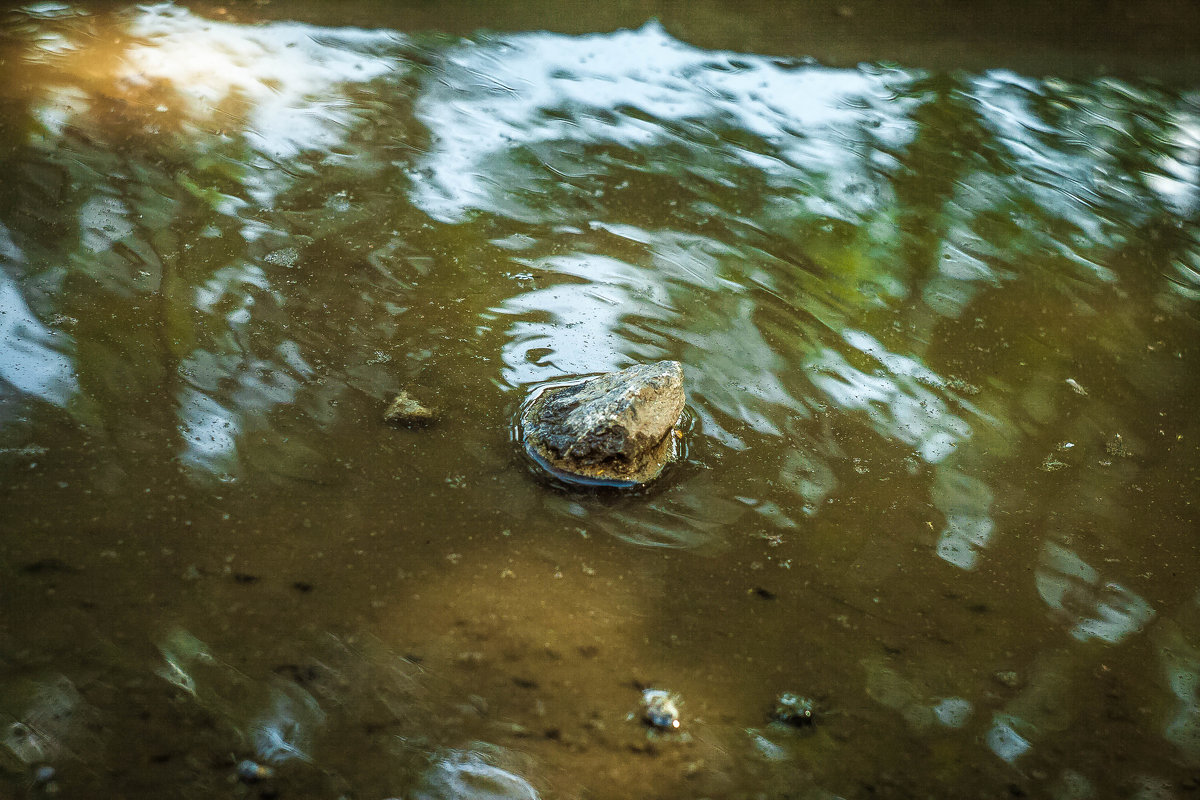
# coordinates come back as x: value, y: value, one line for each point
x: 617, y: 428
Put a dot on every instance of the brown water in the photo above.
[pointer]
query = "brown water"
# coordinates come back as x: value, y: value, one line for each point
x: 939, y: 327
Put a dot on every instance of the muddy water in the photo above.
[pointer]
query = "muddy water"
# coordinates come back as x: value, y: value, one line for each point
x: 939, y: 329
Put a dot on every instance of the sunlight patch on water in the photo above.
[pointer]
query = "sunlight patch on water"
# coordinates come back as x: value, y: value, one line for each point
x: 287, y: 77
x: 1004, y: 740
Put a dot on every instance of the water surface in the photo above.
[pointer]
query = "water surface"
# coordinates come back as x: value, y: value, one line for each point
x: 939, y: 332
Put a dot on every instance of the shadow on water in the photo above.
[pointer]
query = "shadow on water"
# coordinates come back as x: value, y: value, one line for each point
x: 938, y: 330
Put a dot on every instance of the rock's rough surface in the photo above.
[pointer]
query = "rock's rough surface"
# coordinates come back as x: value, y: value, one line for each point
x: 618, y: 427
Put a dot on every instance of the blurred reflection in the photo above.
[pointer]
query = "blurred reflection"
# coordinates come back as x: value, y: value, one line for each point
x: 535, y: 92
x: 572, y: 328
x: 900, y: 404
x: 1177, y: 641
x: 966, y: 504
x: 1107, y: 611
x: 1004, y: 740
x: 45, y: 720
x: 277, y: 720
x: 182, y: 652
x: 279, y: 83
x: 32, y: 357
x: 286, y: 730
x: 459, y: 775
x: 920, y: 707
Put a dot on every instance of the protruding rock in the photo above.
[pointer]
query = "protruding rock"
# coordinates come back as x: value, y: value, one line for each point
x: 617, y: 428
x: 405, y: 410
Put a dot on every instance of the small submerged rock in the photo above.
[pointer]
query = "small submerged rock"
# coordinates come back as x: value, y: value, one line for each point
x: 252, y: 772
x: 617, y: 428
x: 794, y: 709
x: 405, y: 410
x: 660, y: 709
x: 1007, y: 678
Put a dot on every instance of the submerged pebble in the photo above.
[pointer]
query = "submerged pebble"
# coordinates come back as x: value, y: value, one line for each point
x: 251, y: 771
x: 660, y: 709
x: 794, y: 709
x: 405, y: 410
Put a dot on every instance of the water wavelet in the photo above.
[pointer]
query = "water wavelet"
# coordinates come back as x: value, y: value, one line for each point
x: 284, y: 75
x: 216, y: 126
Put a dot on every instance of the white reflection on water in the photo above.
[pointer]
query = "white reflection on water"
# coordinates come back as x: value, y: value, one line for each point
x: 286, y: 730
x: 1107, y: 611
x: 953, y: 712
x: 899, y: 404
x: 32, y: 357
x: 960, y: 275
x: 210, y: 433
x: 966, y: 504
x: 579, y: 322
x: 1003, y: 739
x: 281, y: 88
x: 1178, y: 184
x: 610, y: 313
x: 279, y: 720
x: 45, y: 719
x: 912, y: 699
x: 1058, y: 174
x: 181, y: 653
x: 527, y: 89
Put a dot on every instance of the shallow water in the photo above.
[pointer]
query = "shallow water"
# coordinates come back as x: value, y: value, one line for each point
x: 939, y: 331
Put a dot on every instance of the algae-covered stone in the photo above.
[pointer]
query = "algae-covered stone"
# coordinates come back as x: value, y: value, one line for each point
x: 404, y: 410
x: 618, y: 427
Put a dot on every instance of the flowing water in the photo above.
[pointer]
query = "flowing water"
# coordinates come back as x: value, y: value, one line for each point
x: 939, y: 332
